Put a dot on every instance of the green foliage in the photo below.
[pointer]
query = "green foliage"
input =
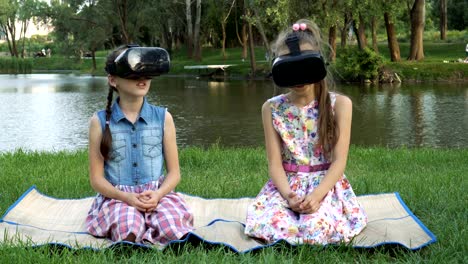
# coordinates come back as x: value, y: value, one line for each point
x: 353, y: 64
x: 13, y: 65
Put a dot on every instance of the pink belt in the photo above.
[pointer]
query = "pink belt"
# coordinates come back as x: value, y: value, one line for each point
x: 305, y: 168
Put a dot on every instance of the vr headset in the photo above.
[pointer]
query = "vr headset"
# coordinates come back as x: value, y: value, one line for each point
x: 140, y: 62
x: 298, y: 67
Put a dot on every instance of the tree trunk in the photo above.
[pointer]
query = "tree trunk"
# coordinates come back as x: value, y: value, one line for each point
x: 253, y: 65
x: 443, y: 19
x: 356, y: 33
x: 245, y: 39
x: 261, y: 30
x: 93, y: 55
x: 196, y: 35
x: 332, y: 42
x: 23, y: 36
x: 344, y: 32
x: 12, y: 31
x: 188, y: 14
x: 242, y: 38
x: 223, y: 27
x: 123, y: 18
x: 223, y: 42
x: 362, y: 33
x: 417, y: 30
x: 374, y: 34
x: 167, y: 38
x: 4, y: 29
x: 392, y: 40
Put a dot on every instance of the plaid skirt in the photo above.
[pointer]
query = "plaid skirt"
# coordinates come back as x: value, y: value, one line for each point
x: 116, y: 220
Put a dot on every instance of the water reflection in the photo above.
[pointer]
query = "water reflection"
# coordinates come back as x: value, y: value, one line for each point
x: 414, y: 115
x: 51, y: 111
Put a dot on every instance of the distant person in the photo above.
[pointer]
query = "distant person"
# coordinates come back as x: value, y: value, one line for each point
x: 308, y: 199
x: 466, y: 53
x: 49, y: 51
x: 130, y: 144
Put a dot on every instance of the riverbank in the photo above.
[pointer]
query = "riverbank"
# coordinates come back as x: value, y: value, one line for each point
x: 440, y: 64
x: 430, y: 181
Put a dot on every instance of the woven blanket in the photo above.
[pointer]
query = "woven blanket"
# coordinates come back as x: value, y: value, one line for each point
x: 36, y: 219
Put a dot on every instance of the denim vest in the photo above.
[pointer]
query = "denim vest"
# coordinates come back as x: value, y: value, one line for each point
x: 137, y: 151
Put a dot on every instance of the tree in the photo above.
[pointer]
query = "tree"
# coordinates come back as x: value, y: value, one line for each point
x: 417, y: 15
x: 196, y: 32
x: 443, y: 19
x: 79, y: 26
x: 361, y: 32
x: 220, y: 11
x: 390, y: 8
x: 392, y: 41
x: 243, y: 37
x: 165, y: 24
x: 8, y: 12
x: 126, y: 16
x: 253, y: 65
x: 188, y: 14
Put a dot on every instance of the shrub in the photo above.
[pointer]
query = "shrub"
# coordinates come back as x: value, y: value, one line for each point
x: 358, y: 65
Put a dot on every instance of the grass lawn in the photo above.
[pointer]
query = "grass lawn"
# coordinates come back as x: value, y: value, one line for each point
x: 432, y: 182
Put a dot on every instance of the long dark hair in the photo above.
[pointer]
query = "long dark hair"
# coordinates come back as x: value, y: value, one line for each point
x: 106, y: 142
x: 327, y: 128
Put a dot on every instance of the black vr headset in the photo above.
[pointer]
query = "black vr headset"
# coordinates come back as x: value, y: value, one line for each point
x: 140, y: 62
x: 298, y: 67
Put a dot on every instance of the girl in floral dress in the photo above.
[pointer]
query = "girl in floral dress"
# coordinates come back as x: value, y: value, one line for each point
x: 308, y: 199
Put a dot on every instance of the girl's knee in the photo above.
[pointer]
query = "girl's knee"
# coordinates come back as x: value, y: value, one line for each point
x: 129, y: 226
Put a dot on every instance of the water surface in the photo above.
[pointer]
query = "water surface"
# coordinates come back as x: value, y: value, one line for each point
x: 50, y: 112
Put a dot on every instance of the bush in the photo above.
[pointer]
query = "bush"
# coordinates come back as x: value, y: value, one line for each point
x: 358, y: 65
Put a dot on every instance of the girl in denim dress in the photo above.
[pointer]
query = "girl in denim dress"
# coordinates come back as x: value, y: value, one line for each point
x: 129, y: 144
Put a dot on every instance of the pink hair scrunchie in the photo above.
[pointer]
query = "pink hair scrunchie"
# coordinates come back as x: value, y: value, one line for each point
x: 301, y: 26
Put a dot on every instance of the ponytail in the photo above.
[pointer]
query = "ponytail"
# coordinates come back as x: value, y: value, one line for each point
x: 106, y: 143
x: 327, y: 128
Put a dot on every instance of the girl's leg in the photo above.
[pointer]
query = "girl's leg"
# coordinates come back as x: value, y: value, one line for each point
x: 171, y: 220
x: 115, y: 220
x: 125, y: 222
x: 269, y: 218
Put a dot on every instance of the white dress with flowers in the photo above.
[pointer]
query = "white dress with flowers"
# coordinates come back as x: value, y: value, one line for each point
x: 340, y: 216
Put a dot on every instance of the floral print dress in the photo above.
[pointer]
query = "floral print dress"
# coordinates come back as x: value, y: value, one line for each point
x: 269, y: 218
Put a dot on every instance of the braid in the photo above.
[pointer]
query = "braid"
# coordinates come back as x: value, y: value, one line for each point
x: 106, y: 143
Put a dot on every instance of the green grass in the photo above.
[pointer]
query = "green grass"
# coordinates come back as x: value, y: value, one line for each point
x: 432, y: 182
x: 15, y: 66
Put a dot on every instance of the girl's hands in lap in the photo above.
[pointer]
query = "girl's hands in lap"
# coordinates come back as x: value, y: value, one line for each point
x: 310, y: 204
x: 150, y: 199
x: 294, y: 202
x: 133, y: 199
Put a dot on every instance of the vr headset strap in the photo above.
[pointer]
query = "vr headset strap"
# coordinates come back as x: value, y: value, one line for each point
x: 293, y: 44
